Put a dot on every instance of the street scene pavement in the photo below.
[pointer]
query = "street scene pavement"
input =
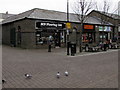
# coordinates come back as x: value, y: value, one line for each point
x: 86, y: 70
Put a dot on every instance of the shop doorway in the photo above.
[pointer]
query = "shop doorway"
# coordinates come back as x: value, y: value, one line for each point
x: 57, y: 39
x: 13, y: 37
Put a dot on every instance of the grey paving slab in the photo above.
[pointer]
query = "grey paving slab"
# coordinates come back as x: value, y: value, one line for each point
x: 91, y: 71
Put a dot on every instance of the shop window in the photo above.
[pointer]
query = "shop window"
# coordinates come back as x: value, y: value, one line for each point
x: 87, y: 38
x: 38, y: 38
x: 62, y: 36
x: 102, y: 37
x: 42, y: 37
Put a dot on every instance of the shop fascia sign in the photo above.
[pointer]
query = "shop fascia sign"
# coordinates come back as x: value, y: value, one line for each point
x: 88, y: 27
x: 105, y: 28
x: 51, y: 24
x: 48, y: 24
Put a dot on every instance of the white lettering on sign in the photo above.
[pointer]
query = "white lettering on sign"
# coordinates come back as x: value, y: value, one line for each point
x: 60, y: 25
x: 51, y: 24
x: 43, y: 24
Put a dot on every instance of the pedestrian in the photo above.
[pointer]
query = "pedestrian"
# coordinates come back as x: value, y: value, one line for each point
x: 105, y: 45
x: 50, y: 39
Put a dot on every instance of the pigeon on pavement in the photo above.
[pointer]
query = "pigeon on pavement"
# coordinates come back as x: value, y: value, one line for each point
x: 3, y: 81
x: 28, y: 76
x: 66, y: 73
x: 58, y: 75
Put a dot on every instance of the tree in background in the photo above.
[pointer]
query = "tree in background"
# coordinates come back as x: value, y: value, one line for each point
x: 109, y: 13
x: 81, y: 8
x: 104, y: 9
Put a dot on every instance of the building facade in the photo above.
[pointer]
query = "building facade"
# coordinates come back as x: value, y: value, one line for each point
x: 37, y: 27
x: 33, y: 28
x: 110, y: 24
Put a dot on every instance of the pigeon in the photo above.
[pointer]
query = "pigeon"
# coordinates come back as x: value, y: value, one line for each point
x: 3, y: 81
x: 66, y: 73
x: 28, y: 76
x: 58, y: 75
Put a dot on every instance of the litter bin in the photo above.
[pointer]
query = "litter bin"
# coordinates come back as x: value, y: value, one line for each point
x: 68, y: 46
x: 73, y: 49
x: 49, y: 48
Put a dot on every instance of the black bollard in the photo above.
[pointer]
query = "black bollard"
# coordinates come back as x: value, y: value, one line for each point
x: 72, y: 49
x: 49, y: 48
x: 105, y: 47
x: 68, y: 45
x: 75, y: 48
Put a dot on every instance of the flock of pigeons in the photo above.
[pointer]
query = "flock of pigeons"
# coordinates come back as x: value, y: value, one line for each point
x: 58, y: 74
x: 29, y: 76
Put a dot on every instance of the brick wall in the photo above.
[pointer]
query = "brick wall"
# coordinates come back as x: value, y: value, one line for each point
x: 6, y: 33
x: 28, y: 39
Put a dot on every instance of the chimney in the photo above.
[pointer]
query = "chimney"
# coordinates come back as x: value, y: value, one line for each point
x: 6, y: 15
x: 6, y: 12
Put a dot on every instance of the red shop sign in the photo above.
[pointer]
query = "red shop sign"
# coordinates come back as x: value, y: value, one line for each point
x: 88, y: 27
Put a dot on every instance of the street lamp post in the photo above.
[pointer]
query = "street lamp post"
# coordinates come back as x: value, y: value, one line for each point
x: 67, y: 10
x: 68, y: 43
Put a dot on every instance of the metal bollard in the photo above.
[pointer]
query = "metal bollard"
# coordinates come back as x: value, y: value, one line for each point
x: 75, y: 48
x: 68, y: 45
x: 105, y: 47
x: 72, y: 50
x: 49, y: 48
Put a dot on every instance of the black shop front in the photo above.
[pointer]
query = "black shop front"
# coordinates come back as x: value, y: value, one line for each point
x: 50, y: 29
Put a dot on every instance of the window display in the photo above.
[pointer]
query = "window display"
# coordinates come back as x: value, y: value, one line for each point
x: 88, y: 38
x: 105, y: 28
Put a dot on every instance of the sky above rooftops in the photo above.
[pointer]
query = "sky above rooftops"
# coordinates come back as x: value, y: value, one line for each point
x: 15, y: 6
